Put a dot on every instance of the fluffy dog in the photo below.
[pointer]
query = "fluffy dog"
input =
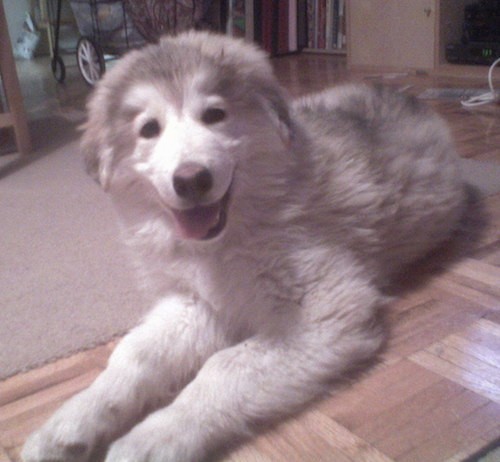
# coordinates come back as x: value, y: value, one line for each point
x: 266, y: 231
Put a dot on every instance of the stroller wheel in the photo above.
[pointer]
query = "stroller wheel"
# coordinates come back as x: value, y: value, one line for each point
x: 90, y: 60
x: 58, y: 68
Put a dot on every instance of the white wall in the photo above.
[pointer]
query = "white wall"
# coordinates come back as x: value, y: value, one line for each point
x: 14, y: 11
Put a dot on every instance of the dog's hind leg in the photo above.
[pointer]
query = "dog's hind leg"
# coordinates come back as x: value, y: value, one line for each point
x: 147, y: 370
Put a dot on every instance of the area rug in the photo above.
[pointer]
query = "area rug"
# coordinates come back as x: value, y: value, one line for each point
x: 65, y: 283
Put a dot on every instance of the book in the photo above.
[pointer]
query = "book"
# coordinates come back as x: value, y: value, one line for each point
x: 325, y: 24
x: 237, y: 20
x: 278, y: 26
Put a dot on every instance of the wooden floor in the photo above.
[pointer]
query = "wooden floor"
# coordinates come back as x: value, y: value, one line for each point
x: 434, y: 395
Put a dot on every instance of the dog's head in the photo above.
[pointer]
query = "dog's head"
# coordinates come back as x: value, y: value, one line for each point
x: 178, y: 117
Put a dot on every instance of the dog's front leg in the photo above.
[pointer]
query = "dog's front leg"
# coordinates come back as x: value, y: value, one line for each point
x: 147, y: 370
x: 261, y: 379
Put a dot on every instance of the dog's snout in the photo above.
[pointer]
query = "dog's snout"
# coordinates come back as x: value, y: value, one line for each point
x: 192, y: 181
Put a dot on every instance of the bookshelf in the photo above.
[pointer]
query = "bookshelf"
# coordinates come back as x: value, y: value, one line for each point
x: 288, y: 26
x: 278, y: 26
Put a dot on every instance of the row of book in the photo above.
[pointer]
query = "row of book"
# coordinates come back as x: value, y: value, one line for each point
x: 287, y: 26
x: 279, y: 26
x: 326, y: 23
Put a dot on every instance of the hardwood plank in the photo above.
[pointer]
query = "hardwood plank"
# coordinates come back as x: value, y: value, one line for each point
x: 35, y: 380
x: 408, y: 412
x: 482, y: 353
x: 19, y: 418
x: 471, y: 449
x: 376, y: 393
x: 463, y: 433
x: 291, y: 438
x: 421, y: 325
x: 465, y: 360
x: 484, y: 333
x: 457, y: 373
x: 477, y: 275
x: 342, y: 439
x: 416, y: 434
x: 450, y: 286
x: 313, y: 437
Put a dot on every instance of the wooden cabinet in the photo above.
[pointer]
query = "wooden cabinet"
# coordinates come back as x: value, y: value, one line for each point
x: 12, y: 112
x: 405, y: 34
x: 392, y: 33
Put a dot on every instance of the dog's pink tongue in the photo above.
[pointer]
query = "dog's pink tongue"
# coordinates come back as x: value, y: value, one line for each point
x: 196, y: 222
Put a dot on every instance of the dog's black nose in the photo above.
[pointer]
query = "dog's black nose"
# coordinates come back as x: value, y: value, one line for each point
x: 192, y: 181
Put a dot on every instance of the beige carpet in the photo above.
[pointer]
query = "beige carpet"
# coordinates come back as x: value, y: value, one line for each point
x: 65, y: 284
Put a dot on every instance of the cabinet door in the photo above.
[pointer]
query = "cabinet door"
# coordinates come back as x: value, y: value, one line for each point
x: 392, y: 33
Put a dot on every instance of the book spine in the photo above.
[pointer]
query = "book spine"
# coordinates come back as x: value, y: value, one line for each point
x: 283, y: 25
x: 329, y: 24
x: 321, y: 40
x: 293, y: 26
x: 311, y: 23
x: 341, y: 26
x: 270, y: 24
x: 335, y: 23
x: 301, y: 24
x: 249, y: 20
x: 257, y: 24
x: 238, y: 20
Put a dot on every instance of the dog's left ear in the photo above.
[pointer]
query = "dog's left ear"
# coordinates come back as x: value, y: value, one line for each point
x: 276, y: 105
x: 94, y: 145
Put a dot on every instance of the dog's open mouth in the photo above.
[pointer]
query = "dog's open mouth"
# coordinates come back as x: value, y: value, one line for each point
x: 202, y: 222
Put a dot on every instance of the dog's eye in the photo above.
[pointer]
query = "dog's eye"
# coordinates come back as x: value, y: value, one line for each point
x: 213, y: 115
x: 150, y: 129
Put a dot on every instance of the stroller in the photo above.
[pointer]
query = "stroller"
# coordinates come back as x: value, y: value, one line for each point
x: 108, y: 28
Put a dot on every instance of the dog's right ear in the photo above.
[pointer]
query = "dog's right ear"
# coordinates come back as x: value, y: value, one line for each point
x: 97, y: 152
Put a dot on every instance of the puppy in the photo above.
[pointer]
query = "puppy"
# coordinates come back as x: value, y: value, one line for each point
x: 265, y: 231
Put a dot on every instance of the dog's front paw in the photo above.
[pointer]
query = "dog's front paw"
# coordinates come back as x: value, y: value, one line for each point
x: 47, y: 446
x: 157, y: 439
x: 147, y: 448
